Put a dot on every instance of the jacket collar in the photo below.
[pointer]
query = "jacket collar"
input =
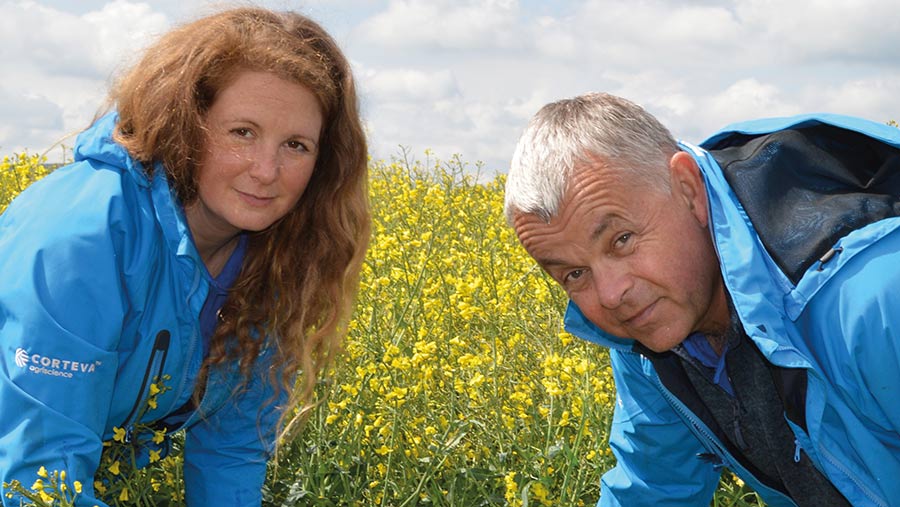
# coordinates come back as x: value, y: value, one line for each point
x: 577, y: 324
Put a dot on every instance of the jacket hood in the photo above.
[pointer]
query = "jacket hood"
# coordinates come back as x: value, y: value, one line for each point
x: 96, y: 143
x: 880, y: 131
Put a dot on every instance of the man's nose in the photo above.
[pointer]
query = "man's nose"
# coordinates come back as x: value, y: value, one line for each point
x: 611, y: 286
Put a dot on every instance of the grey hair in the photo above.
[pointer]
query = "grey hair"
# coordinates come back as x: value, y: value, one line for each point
x: 582, y: 132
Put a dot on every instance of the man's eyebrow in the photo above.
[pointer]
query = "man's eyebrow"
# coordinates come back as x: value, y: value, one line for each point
x: 605, y: 222
x: 551, y: 263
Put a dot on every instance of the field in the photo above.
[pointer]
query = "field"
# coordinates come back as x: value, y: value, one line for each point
x: 457, y: 385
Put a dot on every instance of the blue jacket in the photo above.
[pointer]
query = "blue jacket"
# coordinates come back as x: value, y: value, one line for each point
x: 815, y: 285
x: 101, y: 291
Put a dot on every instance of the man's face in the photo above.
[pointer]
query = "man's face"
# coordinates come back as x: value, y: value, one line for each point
x: 638, y: 261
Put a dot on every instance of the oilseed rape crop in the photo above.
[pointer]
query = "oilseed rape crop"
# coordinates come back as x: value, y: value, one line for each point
x: 17, y: 172
x: 457, y: 385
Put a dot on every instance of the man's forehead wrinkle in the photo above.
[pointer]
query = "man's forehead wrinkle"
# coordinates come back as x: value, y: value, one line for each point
x: 533, y: 232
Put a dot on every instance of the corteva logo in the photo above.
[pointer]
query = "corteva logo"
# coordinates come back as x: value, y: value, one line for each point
x: 53, y: 366
x: 21, y: 357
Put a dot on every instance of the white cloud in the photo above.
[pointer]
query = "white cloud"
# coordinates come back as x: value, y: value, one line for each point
x: 62, y: 64
x: 407, y: 85
x: 468, y: 24
x: 480, y: 130
x: 635, y: 35
x: 745, y: 98
x: 29, y: 120
x: 121, y: 29
x: 553, y: 38
x: 813, y: 30
x: 861, y: 97
x: 60, y: 43
x: 465, y: 76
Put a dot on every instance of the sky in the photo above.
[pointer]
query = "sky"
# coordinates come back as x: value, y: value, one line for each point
x: 441, y: 78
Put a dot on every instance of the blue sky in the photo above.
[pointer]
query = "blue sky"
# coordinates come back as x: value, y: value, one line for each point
x: 463, y: 77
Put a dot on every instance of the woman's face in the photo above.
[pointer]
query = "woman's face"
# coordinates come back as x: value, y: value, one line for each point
x: 261, y: 147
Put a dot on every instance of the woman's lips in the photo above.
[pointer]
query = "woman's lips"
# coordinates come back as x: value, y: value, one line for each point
x: 255, y: 200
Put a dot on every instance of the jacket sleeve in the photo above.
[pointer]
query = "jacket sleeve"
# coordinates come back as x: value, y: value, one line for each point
x: 658, y: 462
x: 862, y: 303
x: 226, y: 453
x: 61, y: 312
x: 852, y: 327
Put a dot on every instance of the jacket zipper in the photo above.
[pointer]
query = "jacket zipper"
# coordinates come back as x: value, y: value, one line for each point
x: 825, y: 457
x: 871, y: 495
x: 720, y: 451
x: 182, y: 381
x: 160, y: 347
x: 734, y: 399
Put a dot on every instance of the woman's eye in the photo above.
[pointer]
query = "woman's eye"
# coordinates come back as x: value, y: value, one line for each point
x: 242, y: 132
x: 297, y: 145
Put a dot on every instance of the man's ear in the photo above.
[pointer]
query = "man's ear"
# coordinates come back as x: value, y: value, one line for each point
x: 688, y: 185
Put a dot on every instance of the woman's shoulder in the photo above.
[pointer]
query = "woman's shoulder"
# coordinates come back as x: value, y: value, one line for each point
x: 78, y: 199
x: 83, y: 218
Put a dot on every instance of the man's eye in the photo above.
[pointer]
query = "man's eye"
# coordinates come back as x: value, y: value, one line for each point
x: 573, y: 275
x: 622, y: 240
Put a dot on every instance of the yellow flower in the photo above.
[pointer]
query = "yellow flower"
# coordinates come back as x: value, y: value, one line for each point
x: 541, y: 493
x: 38, y: 485
x: 159, y: 436
x: 154, y: 456
x: 118, y: 434
x: 42, y: 472
x: 77, y: 486
x: 512, y: 489
x: 154, y: 390
x: 123, y: 497
x: 114, y: 468
x: 151, y: 403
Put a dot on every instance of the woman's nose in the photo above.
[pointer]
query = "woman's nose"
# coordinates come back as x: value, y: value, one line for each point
x: 265, y: 165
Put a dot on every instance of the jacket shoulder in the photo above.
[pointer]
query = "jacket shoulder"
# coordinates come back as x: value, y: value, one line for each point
x: 81, y: 234
x: 83, y: 200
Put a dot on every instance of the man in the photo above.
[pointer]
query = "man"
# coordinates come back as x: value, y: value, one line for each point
x: 748, y: 290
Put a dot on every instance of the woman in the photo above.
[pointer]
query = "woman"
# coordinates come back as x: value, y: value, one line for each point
x: 203, y: 248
